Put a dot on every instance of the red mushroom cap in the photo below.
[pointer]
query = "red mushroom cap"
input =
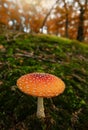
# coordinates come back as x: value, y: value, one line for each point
x: 41, y: 84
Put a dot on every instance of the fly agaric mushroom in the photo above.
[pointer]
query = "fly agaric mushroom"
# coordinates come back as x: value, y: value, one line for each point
x: 41, y: 85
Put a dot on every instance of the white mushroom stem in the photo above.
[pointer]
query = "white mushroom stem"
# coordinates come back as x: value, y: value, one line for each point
x: 40, y: 108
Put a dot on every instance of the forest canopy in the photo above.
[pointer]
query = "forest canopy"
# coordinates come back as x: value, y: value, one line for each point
x: 65, y: 18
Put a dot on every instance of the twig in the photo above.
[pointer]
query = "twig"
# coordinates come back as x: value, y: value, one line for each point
x: 36, y: 57
x: 78, y: 78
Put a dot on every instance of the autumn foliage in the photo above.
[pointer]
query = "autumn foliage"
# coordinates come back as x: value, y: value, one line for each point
x: 63, y: 18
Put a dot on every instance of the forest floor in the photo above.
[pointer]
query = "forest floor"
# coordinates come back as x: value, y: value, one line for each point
x: 67, y: 59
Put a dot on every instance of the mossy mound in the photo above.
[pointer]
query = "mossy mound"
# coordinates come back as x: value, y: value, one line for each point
x: 67, y: 59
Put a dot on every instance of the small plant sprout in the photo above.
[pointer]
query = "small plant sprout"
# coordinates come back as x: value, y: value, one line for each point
x: 41, y: 85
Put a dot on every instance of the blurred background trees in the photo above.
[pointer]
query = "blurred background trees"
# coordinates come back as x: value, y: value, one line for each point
x: 66, y: 18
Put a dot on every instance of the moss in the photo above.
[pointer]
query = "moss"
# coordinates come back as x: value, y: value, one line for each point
x: 62, y: 57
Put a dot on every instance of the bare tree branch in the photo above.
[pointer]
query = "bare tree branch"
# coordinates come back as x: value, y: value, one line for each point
x: 47, y: 15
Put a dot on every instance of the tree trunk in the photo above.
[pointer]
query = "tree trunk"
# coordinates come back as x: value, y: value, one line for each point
x: 80, y: 34
x: 66, y: 26
x: 66, y: 18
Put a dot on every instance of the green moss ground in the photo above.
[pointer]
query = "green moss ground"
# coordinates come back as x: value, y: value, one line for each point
x: 62, y: 57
